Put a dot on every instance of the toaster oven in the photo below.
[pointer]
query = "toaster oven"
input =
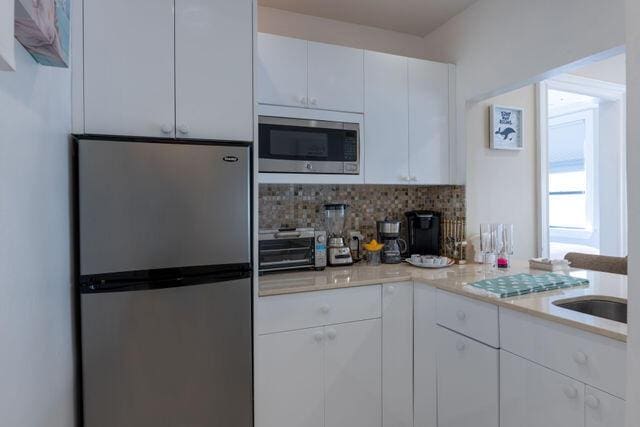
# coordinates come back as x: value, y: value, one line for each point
x: 291, y: 249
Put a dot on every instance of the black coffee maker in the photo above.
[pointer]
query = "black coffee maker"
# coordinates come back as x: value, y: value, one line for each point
x: 424, y: 232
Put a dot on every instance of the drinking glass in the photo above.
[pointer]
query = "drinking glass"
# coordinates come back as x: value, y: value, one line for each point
x: 486, y: 243
x: 507, y: 243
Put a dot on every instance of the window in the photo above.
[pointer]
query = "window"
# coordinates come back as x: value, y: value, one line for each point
x: 571, y: 171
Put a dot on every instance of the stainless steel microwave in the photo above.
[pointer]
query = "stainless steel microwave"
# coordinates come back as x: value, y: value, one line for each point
x: 288, y: 145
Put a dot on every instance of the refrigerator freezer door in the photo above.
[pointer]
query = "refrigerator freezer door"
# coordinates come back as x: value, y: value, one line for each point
x: 146, y: 205
x: 169, y: 357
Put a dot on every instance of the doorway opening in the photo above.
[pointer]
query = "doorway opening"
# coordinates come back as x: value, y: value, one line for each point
x: 582, y: 163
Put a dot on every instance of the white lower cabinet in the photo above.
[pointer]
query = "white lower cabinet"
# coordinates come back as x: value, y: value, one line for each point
x: 534, y: 396
x: 603, y: 409
x: 353, y: 382
x: 468, y: 373
x: 290, y: 379
x: 327, y: 376
x: 397, y: 355
x: 425, y: 337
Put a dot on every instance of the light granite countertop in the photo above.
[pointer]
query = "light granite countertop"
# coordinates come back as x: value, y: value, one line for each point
x: 454, y: 279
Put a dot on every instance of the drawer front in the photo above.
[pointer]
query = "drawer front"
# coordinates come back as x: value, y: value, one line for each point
x: 312, y: 309
x: 475, y: 319
x: 593, y: 359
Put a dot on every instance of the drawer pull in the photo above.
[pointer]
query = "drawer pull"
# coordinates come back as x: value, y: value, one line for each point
x: 461, y: 315
x: 591, y: 401
x: 580, y: 358
x: 325, y: 309
x: 318, y: 336
x: 571, y: 392
x: 460, y: 345
x: 331, y: 333
x: 391, y: 290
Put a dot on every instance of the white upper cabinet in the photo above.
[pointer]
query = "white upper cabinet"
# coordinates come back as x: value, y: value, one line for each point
x: 386, y: 112
x: 214, y: 77
x: 129, y: 67
x: 428, y: 122
x: 299, y: 73
x: 185, y: 73
x: 336, y: 80
x: 282, y: 70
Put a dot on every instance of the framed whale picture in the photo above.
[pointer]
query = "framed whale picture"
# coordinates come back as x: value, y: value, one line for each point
x: 506, y: 130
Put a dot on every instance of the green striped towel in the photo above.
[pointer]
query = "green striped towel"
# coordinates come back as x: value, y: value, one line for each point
x: 522, y: 284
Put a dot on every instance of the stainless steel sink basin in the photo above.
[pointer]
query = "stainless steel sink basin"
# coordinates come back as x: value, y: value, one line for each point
x: 605, y: 308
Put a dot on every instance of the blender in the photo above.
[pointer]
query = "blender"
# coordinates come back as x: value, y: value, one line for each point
x: 335, y: 215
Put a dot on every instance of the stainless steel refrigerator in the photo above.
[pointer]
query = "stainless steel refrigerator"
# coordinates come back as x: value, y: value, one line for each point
x: 164, y: 277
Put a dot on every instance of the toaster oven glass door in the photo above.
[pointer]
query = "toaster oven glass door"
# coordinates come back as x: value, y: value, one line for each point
x: 283, y: 254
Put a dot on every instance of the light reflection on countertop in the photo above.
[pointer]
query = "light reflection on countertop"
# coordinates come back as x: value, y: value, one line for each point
x: 454, y: 279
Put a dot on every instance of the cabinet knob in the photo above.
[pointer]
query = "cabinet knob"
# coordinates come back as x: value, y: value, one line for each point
x: 325, y: 309
x: 391, y: 290
x: 331, y: 334
x: 580, y: 358
x: 318, y: 336
x: 591, y: 401
x: 461, y: 315
x: 303, y: 100
x: 570, y: 391
x: 414, y: 178
x: 460, y: 346
x: 166, y: 129
x: 313, y: 101
x: 183, y: 129
x: 405, y: 178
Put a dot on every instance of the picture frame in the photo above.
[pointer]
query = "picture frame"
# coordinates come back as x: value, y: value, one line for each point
x: 506, y: 130
x: 43, y: 28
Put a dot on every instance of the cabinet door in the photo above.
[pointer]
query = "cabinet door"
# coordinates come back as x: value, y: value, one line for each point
x: 467, y: 382
x: 603, y: 410
x: 353, y: 383
x: 425, y: 340
x: 336, y: 78
x: 214, y: 62
x: 428, y: 122
x: 282, y: 71
x: 386, y: 135
x: 128, y: 67
x: 290, y: 379
x: 397, y: 355
x: 534, y: 396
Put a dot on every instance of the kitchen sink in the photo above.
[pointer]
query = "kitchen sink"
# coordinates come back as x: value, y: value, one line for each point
x: 599, y: 307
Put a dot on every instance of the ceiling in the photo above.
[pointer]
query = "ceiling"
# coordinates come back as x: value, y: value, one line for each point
x: 417, y: 17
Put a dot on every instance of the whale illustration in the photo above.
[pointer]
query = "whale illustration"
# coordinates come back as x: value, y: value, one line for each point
x: 506, y: 132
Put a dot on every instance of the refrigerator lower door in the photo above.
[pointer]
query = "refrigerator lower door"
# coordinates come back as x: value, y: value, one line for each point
x: 169, y: 357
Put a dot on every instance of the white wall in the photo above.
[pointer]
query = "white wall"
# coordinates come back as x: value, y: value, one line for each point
x: 284, y: 23
x: 36, y: 351
x: 501, y: 185
x: 633, y: 180
x: 613, y: 70
x: 501, y: 45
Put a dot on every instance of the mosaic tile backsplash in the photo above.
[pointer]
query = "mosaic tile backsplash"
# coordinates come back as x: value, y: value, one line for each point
x: 298, y: 205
